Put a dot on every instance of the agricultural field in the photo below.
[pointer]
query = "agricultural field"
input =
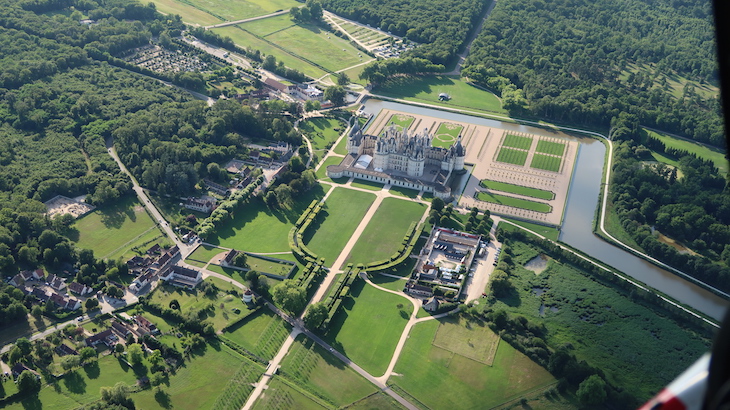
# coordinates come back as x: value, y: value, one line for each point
x: 369, y: 315
x: 446, y: 135
x: 224, y: 305
x: 439, y: 376
x: 336, y: 223
x: 512, y: 156
x: 517, y: 189
x: 261, y: 333
x: 546, y: 162
x: 281, y: 396
x: 604, y: 326
x: 386, y: 230
x: 427, y: 90
x: 514, y: 202
x: 239, y: 386
x: 550, y: 147
x: 257, y: 229
x: 400, y: 121
x: 715, y: 155
x: 517, y: 141
x: 112, y: 231
x: 315, y: 368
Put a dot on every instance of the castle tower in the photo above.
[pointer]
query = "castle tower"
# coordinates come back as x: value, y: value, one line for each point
x: 354, y: 139
x: 459, y: 155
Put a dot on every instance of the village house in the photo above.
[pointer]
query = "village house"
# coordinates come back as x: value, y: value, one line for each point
x: 228, y: 259
x: 64, y: 350
x: 121, y: 329
x: 418, y: 290
x: 107, y: 337
x: 80, y: 288
x: 431, y: 305
x: 144, y: 325
x: 141, y: 281
x: 205, y: 204
x: 40, y: 294
x: 56, y: 282
x: 182, y: 277
x: 306, y: 92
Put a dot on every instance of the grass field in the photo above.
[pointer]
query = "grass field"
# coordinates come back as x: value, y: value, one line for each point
x: 322, y: 171
x: 639, y: 349
x: 439, y: 377
x: 261, y: 333
x: 198, y: 383
x: 267, y: 266
x: 550, y: 147
x: 517, y: 141
x: 715, y: 155
x: 517, y: 189
x: 257, y: 229
x: 204, y: 253
x: 322, y: 132
x: 427, y: 90
x: 400, y: 121
x: 341, y: 148
x: 404, y: 192
x: 512, y: 156
x: 446, y: 135
x: 189, y: 13
x: 368, y: 325
x: 514, y: 202
x: 230, y: 11
x: 113, y: 230
x: 370, y: 185
x: 269, y: 25
x: 223, y: 303
x: 344, y: 210
x: 386, y: 230
x: 546, y: 162
x: 246, y: 39
x: 315, y: 368
x: 546, y: 231
x: 280, y: 396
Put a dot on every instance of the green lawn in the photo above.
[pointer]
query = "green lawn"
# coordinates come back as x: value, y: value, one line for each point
x: 639, y: 349
x: 245, y: 39
x: 238, y: 10
x: 322, y: 132
x: 269, y: 25
x: 715, y: 155
x: 546, y: 162
x: 257, y: 229
x: 517, y: 189
x: 385, y: 232
x: 267, y: 266
x: 446, y: 135
x: 189, y: 13
x: 224, y: 304
x: 198, y: 383
x: 400, y: 121
x: 344, y: 210
x: 319, y: 371
x: 438, y: 377
x: 514, y: 202
x: 204, y: 253
x: 517, y: 141
x: 281, y: 396
x: 427, y: 90
x: 322, y: 171
x: 546, y: 231
x: 550, y: 147
x: 113, y: 230
x: 261, y: 333
x: 368, y: 325
x: 512, y: 156
x: 341, y: 148
x: 405, y: 192
x: 370, y: 185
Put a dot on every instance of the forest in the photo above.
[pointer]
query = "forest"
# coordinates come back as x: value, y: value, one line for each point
x: 441, y: 26
x: 585, y: 62
x: 64, y: 100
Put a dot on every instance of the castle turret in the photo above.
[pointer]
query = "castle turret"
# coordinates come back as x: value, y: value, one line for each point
x: 459, y: 155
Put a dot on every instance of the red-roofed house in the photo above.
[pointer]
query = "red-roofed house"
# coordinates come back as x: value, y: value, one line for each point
x: 79, y: 288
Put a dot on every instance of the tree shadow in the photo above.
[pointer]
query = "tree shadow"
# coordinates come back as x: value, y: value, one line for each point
x: 72, y: 234
x: 140, y: 370
x: 92, y: 370
x: 511, y: 298
x: 74, y: 382
x: 163, y: 398
x: 31, y: 403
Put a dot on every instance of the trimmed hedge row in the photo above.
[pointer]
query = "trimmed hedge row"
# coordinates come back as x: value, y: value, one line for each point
x: 300, y: 250
x: 342, y: 288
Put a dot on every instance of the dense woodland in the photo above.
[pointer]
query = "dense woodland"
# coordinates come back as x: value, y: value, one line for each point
x: 441, y: 25
x: 585, y: 62
x: 64, y: 100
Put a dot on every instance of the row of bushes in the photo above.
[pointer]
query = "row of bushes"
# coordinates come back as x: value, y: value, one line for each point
x: 223, y: 210
x: 342, y: 290
x: 311, y: 272
x: 301, y: 251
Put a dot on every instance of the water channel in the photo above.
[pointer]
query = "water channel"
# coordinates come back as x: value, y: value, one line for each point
x: 580, y: 209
